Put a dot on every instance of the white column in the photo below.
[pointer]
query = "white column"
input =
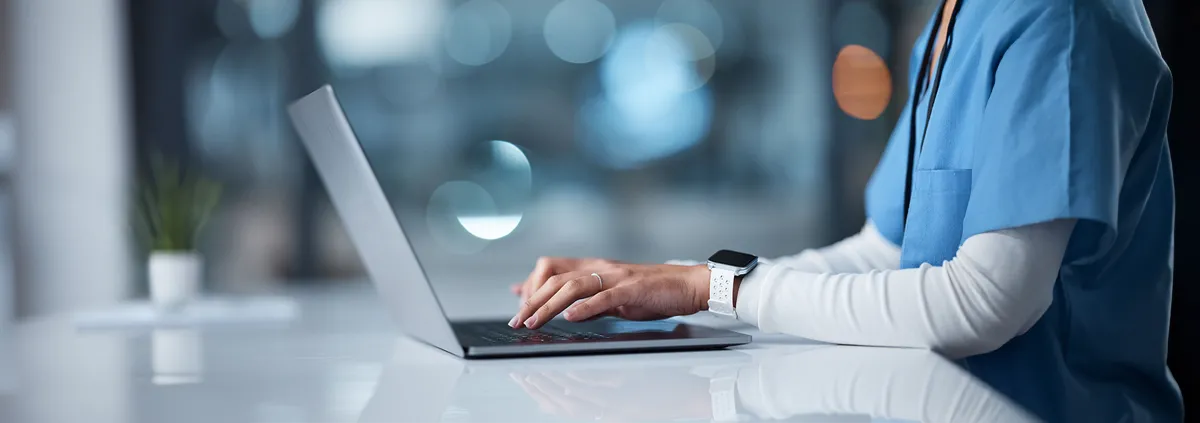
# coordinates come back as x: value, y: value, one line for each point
x: 72, y: 162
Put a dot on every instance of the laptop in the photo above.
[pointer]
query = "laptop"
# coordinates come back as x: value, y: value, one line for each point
x: 397, y: 274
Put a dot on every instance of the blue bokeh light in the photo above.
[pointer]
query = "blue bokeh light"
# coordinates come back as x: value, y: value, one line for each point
x: 652, y: 104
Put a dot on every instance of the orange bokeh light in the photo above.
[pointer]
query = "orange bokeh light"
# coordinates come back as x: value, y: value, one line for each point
x: 862, y: 83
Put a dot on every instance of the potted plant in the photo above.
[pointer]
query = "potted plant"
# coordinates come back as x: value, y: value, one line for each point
x: 173, y: 206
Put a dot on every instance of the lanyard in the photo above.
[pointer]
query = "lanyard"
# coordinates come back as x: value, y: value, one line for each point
x: 913, y: 146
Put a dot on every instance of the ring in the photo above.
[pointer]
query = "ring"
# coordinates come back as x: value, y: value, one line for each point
x: 599, y: 280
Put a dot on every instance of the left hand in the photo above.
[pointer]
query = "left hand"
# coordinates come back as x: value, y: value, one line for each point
x: 629, y: 291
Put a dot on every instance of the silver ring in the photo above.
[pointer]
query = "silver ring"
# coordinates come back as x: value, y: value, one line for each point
x: 598, y: 279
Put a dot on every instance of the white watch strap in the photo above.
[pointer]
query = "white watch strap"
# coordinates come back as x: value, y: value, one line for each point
x: 720, y: 292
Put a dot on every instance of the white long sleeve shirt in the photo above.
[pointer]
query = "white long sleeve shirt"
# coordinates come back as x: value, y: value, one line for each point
x: 852, y: 292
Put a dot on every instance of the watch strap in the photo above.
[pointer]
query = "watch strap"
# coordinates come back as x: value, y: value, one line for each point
x: 720, y: 292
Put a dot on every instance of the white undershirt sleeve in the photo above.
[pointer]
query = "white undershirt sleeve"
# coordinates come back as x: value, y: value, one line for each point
x: 860, y: 253
x: 995, y: 288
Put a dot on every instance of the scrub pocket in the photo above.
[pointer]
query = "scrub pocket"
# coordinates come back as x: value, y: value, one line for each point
x: 935, y: 216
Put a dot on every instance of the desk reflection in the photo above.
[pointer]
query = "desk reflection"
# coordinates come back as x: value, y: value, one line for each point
x: 825, y: 383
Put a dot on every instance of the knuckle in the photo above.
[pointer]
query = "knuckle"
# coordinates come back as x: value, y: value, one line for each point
x: 555, y: 281
x: 571, y: 285
x: 620, y: 295
x: 604, y: 297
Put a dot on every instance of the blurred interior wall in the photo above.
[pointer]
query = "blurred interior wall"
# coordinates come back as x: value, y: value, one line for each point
x: 69, y: 86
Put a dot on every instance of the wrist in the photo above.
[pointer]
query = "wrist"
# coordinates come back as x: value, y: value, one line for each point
x: 737, y: 284
x: 699, y: 280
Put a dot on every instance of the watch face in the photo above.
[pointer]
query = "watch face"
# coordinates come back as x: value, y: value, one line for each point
x: 733, y: 258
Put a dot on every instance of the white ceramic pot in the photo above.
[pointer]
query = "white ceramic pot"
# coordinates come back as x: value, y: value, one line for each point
x: 174, y: 278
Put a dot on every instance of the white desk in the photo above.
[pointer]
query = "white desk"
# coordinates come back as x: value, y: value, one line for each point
x: 341, y: 362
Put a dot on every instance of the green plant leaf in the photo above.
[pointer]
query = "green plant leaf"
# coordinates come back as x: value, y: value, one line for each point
x: 174, y: 204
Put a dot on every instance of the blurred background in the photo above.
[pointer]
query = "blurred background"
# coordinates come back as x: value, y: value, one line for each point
x: 502, y: 130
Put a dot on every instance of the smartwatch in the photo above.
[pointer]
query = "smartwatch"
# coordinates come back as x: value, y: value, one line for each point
x: 724, y: 266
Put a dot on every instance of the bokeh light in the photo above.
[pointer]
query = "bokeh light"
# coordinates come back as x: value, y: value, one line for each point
x: 448, y: 204
x: 272, y: 18
x: 694, y: 45
x: 367, y: 33
x: 234, y: 99
x: 653, y: 104
x: 862, y: 84
x: 478, y: 32
x: 861, y: 22
x: 490, y: 227
x: 699, y: 14
x: 489, y: 205
x: 579, y: 31
x: 504, y: 171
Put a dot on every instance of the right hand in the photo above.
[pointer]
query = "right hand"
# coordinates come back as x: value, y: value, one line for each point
x: 550, y: 266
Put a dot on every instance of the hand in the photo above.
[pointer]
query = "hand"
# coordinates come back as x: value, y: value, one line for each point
x: 550, y: 266
x: 630, y: 291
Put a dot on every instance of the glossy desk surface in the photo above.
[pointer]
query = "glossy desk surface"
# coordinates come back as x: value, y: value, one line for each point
x: 342, y: 362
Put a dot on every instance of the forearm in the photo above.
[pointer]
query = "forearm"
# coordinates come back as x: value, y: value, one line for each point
x: 996, y: 287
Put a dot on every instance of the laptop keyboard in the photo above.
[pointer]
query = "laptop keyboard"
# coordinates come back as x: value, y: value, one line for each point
x: 503, y: 334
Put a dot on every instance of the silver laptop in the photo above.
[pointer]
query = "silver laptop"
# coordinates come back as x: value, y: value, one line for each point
x: 397, y: 274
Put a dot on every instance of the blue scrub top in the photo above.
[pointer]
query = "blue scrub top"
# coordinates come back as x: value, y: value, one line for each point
x: 1053, y: 109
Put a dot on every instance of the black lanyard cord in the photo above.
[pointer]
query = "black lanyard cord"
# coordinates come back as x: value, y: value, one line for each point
x: 918, y: 91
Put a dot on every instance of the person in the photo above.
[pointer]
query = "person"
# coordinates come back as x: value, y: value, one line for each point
x: 1020, y: 220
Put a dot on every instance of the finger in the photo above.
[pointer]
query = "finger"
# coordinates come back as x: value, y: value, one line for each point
x: 515, y: 288
x: 604, y: 301
x: 610, y: 313
x: 556, y: 265
x: 579, y: 287
x: 536, y: 299
x: 527, y: 316
x: 544, y: 268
